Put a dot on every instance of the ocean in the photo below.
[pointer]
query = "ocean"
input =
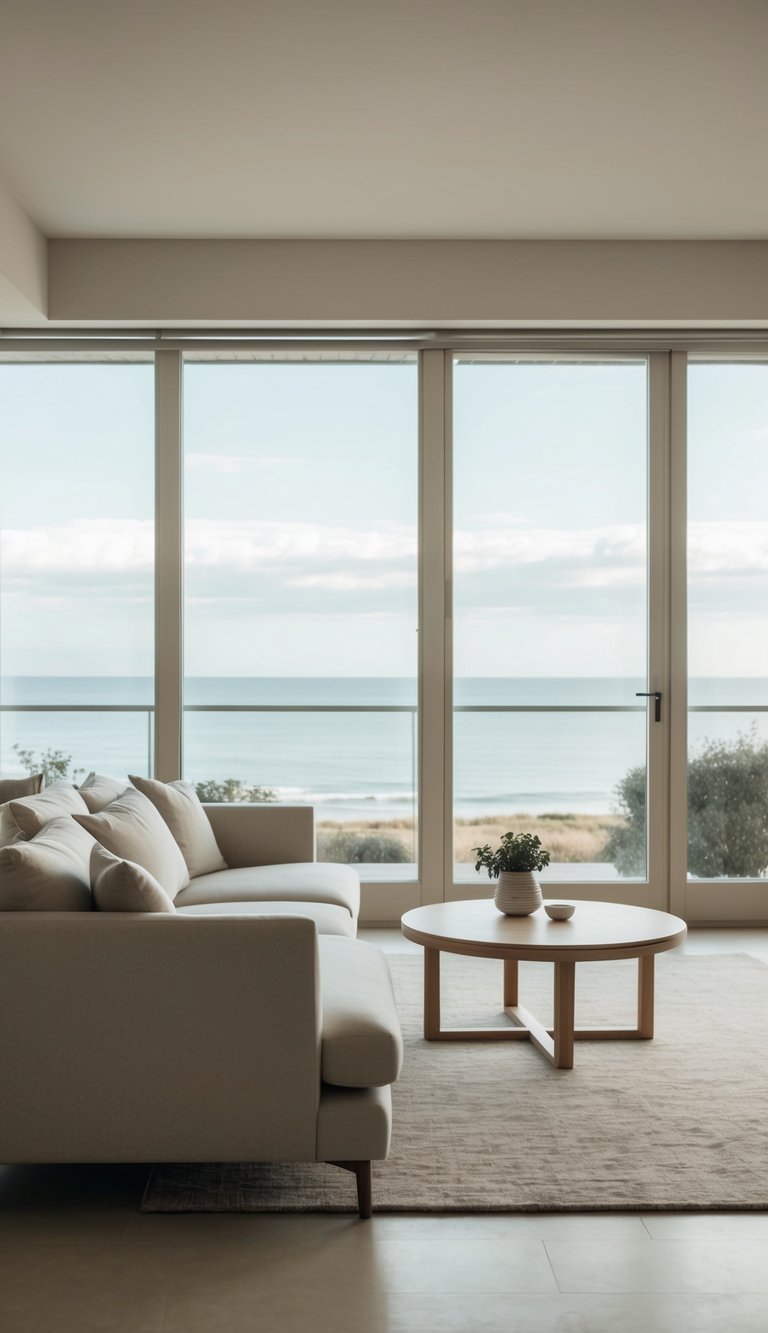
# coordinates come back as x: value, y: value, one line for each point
x: 360, y: 764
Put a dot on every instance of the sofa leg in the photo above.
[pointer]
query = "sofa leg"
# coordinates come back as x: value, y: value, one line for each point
x: 362, y: 1172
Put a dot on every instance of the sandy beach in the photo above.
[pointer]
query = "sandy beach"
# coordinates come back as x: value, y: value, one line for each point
x: 566, y: 837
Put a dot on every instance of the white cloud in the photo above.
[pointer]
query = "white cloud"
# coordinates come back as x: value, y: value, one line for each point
x: 357, y: 582
x: 216, y: 463
x: 342, y: 558
x: 730, y: 547
x: 254, y: 546
x: 592, y: 557
x: 228, y: 463
x: 108, y: 545
x: 82, y: 546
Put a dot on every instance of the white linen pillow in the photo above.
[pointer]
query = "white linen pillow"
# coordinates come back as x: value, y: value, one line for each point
x: 9, y: 829
x: 180, y: 807
x: 12, y: 789
x: 32, y: 813
x: 98, y: 791
x: 131, y: 829
x: 48, y: 873
x: 124, y: 886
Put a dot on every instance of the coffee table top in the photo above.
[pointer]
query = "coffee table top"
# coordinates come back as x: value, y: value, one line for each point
x: 596, y: 930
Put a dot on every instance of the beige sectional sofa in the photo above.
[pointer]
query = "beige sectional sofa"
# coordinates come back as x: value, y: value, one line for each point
x: 247, y: 1025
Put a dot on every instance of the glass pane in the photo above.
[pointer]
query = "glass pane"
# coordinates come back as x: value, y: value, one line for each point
x: 301, y: 596
x: 550, y: 612
x: 727, y: 621
x: 76, y: 574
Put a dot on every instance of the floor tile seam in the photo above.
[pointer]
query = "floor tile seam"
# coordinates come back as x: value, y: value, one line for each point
x: 379, y: 1289
x: 552, y: 1267
x: 694, y: 1293
x: 665, y: 1241
x: 195, y: 1242
x: 88, y: 1245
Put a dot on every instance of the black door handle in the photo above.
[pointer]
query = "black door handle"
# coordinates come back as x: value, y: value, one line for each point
x: 656, y: 696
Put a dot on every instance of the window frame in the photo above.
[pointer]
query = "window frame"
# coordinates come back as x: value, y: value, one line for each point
x: 668, y: 353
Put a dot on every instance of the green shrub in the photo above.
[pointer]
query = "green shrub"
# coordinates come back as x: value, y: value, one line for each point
x: 727, y: 813
x: 350, y: 848
x: 625, y: 846
x: 728, y: 803
x: 232, y: 789
x: 53, y: 764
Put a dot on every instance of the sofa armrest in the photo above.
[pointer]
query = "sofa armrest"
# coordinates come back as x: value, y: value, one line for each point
x: 263, y: 834
x: 158, y: 1038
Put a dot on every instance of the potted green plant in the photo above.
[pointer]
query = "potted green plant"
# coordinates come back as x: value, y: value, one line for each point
x: 514, y: 864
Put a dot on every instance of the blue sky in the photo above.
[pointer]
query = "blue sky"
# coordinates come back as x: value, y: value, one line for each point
x: 302, y: 483
x: 301, y: 502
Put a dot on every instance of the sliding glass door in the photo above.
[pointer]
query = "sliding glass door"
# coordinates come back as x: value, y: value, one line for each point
x: 725, y: 767
x: 301, y: 577
x: 77, y: 458
x: 553, y: 663
x: 436, y: 594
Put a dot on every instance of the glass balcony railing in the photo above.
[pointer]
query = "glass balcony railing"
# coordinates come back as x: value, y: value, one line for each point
x: 70, y: 739
x: 358, y: 764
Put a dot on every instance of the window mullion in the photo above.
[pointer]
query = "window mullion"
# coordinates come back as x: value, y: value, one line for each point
x: 168, y: 565
x: 678, y: 690
x: 435, y: 785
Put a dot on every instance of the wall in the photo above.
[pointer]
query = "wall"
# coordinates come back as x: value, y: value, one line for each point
x: 23, y: 259
x: 423, y: 283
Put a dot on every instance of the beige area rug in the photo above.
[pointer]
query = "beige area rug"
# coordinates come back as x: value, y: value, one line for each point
x: 680, y: 1122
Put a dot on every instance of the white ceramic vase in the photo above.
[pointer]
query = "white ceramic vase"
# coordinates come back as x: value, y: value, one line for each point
x: 518, y: 893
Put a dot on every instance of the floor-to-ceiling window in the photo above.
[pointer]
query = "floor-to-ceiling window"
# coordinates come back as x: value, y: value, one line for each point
x: 434, y: 594
x: 76, y: 566
x: 550, y: 553
x: 301, y: 541
x: 727, y: 650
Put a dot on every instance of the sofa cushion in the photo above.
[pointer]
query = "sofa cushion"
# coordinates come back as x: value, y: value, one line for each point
x: 48, y: 873
x: 25, y: 817
x: 180, y: 807
x: 12, y: 789
x: 131, y: 828
x: 362, y: 1046
x: 98, y: 791
x: 124, y: 886
x: 330, y: 920
x: 354, y: 1123
x: 301, y: 881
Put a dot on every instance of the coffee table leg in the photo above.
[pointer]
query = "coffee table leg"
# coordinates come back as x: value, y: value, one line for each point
x: 431, y: 994
x: 565, y: 978
x: 645, y: 989
x: 510, y: 982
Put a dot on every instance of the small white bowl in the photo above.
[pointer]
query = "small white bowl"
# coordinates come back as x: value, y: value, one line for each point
x: 560, y: 911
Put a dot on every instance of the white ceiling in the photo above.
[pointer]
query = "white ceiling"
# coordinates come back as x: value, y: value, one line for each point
x: 387, y: 118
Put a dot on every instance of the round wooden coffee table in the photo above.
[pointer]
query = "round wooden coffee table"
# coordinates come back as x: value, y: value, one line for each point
x: 596, y: 931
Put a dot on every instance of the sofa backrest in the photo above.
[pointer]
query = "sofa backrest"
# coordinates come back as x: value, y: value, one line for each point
x: 163, y: 1038
x: 263, y: 834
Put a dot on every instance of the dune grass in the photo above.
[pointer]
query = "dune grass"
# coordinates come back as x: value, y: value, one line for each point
x: 567, y: 837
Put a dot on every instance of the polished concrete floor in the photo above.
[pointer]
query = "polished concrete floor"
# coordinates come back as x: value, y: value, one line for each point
x: 75, y: 1255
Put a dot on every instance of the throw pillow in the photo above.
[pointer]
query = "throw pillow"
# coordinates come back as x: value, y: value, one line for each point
x: 50, y: 872
x: 124, y: 886
x: 12, y: 789
x: 98, y: 791
x: 32, y: 813
x: 131, y: 828
x: 180, y: 807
